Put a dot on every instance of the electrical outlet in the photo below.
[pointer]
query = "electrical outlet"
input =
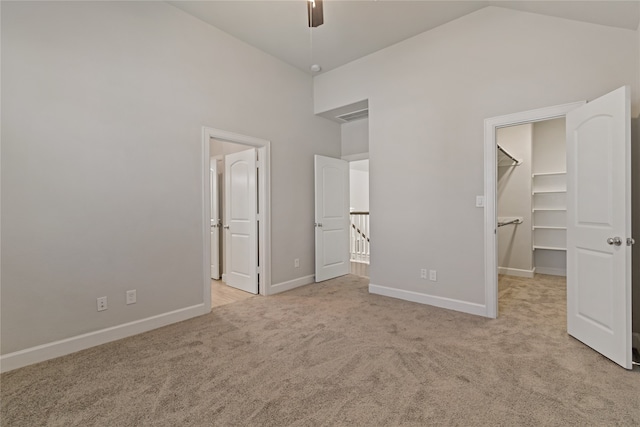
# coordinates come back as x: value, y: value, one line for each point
x: 102, y: 303
x: 296, y: 262
x: 131, y: 296
x: 423, y: 273
x: 432, y: 275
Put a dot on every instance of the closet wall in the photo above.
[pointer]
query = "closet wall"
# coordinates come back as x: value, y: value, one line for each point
x: 514, y: 200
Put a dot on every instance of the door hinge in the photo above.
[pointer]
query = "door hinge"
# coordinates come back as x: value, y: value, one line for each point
x: 630, y: 241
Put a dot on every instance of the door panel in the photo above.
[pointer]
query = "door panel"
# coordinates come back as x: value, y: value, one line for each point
x: 215, y: 219
x: 331, y: 217
x: 599, y: 208
x: 241, y: 228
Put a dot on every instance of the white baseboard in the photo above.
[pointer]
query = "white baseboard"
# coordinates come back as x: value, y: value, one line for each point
x: 224, y: 277
x: 552, y: 271
x: 517, y: 272
x: 448, y: 303
x: 40, y: 353
x: 291, y: 284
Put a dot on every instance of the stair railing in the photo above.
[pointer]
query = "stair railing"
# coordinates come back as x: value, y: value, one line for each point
x: 359, y: 237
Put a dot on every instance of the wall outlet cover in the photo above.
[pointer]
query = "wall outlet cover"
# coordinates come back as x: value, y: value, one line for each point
x: 131, y: 296
x: 101, y: 303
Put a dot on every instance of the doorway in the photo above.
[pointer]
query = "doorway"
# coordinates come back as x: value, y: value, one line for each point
x: 531, y: 215
x: 262, y: 148
x: 360, y: 231
x: 598, y: 200
x: 235, y: 227
x: 491, y: 189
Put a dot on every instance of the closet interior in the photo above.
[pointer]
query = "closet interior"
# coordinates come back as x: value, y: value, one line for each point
x: 532, y: 199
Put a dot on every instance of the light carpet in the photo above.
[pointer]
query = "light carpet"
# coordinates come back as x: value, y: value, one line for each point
x: 331, y: 354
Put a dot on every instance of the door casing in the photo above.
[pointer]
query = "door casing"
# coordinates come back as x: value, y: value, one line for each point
x: 264, y: 206
x: 490, y: 190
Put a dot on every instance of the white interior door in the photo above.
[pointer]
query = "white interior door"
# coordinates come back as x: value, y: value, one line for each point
x: 598, y: 214
x: 331, y: 217
x: 241, y: 228
x: 215, y: 219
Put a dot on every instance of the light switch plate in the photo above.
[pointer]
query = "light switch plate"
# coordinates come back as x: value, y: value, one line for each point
x: 479, y: 201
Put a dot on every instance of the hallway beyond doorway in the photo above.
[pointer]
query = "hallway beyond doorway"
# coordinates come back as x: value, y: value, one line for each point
x: 223, y: 294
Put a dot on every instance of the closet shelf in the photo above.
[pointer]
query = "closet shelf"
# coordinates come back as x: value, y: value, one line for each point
x: 506, y: 159
x: 545, y: 227
x: 533, y: 175
x: 548, y: 191
x: 549, y: 248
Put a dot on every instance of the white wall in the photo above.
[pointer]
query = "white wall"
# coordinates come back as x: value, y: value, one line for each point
x: 359, y: 185
x: 103, y: 108
x: 355, y: 137
x: 428, y: 97
x: 514, y: 200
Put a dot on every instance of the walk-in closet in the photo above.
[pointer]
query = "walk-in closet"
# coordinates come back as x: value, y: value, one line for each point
x: 532, y: 195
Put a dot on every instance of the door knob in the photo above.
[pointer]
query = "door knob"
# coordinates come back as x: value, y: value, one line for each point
x: 614, y: 241
x: 226, y: 227
x: 318, y: 224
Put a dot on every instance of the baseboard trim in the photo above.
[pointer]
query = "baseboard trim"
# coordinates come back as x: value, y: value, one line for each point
x: 448, y: 303
x: 40, y: 353
x: 291, y: 284
x: 517, y: 272
x: 552, y: 271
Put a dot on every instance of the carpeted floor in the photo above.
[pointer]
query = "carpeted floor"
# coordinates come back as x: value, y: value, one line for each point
x: 331, y: 354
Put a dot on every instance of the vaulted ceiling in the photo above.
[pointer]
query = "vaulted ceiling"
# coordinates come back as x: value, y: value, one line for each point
x: 356, y: 28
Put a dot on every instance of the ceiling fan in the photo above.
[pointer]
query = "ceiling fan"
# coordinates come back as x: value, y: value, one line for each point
x: 314, y: 12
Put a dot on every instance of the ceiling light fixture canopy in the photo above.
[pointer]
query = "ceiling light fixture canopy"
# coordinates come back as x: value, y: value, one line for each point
x: 314, y: 13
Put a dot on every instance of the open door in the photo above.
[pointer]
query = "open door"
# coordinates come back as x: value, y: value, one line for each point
x: 331, y: 217
x: 241, y: 228
x: 599, y: 225
x: 215, y: 219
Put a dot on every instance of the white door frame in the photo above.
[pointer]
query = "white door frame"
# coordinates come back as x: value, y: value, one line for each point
x: 264, y: 206
x: 491, y: 125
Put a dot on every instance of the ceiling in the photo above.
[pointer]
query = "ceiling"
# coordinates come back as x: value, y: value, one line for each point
x: 353, y: 29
